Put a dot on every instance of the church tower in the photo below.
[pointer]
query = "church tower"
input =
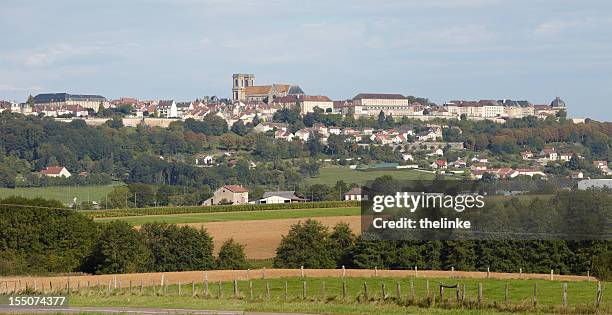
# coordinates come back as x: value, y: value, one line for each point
x: 239, y: 84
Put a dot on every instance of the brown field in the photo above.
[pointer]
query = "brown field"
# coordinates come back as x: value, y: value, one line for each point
x: 262, y: 237
x: 9, y: 284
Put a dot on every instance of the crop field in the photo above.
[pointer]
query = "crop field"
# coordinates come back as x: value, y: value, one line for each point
x: 327, y: 291
x: 65, y: 194
x: 239, y: 216
x: 330, y: 175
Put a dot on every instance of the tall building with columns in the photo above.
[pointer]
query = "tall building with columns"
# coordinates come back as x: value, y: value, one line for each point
x: 240, y: 82
x: 244, y: 89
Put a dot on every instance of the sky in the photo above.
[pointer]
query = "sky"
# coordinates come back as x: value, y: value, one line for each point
x: 440, y: 49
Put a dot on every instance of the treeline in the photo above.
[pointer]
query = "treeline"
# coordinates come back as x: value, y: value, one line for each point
x: 312, y: 245
x: 40, y: 237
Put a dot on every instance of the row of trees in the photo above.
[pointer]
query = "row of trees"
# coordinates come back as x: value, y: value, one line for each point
x: 38, y: 236
x: 312, y: 245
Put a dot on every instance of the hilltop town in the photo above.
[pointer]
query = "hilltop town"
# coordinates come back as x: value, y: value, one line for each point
x: 488, y: 139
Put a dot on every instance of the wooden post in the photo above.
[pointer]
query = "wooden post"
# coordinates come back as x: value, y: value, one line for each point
x: 457, y: 294
x: 551, y: 274
x: 463, y: 294
x: 441, y: 294
x: 286, y: 291
x: 68, y: 286
x: 480, y: 294
x: 130, y: 286
x: 109, y: 287
x: 251, y: 289
x: 588, y: 275
x: 520, y: 273
x: 162, y: 280
x: 598, y: 295
x: 411, y: 290
x: 115, y: 281
x: 248, y: 276
x: 302, y: 271
x: 452, y: 272
x: 398, y: 290
x: 303, y: 290
x: 535, y: 294
x: 193, y: 289
x: 343, y: 290
x: 488, y: 273
x: 267, y: 290
x: 235, y: 288
x: 179, y: 288
x: 141, y: 286
x: 375, y: 271
x: 365, y: 291
x: 263, y: 273
x: 506, y: 293
x: 323, y: 294
x: 415, y: 271
x: 427, y: 288
x: 565, y: 294
x: 383, y: 290
x: 343, y: 271
x: 206, y: 292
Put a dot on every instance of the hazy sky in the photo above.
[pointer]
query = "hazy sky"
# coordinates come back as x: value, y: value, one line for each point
x: 440, y: 49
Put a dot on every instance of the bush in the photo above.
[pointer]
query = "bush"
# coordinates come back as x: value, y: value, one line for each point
x: 602, y: 266
x: 231, y: 256
x: 307, y: 244
x: 120, y: 249
x: 175, y: 248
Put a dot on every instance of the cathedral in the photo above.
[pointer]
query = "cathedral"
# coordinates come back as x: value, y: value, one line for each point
x: 244, y: 89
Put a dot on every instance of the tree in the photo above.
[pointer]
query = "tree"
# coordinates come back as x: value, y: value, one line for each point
x: 343, y: 240
x: 177, y: 248
x: 239, y: 128
x: 231, y: 256
x: 120, y: 249
x: 307, y: 244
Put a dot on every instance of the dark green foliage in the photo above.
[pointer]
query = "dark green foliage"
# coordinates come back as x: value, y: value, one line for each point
x: 40, y: 236
x: 231, y: 256
x: 175, y: 248
x: 307, y: 244
x: 120, y: 249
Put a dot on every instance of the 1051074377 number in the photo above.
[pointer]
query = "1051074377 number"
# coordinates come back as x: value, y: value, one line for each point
x: 34, y: 300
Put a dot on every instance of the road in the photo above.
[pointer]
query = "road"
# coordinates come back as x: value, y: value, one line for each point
x: 128, y: 310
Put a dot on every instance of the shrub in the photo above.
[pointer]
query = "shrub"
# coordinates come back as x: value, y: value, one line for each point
x: 231, y: 256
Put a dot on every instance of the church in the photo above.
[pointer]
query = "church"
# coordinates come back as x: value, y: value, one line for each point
x: 244, y: 89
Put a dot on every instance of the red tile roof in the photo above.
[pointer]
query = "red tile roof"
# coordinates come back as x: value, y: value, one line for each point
x: 235, y: 188
x: 52, y: 170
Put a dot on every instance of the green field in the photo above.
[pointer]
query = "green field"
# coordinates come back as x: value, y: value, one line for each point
x: 324, y: 295
x: 64, y: 194
x: 243, y: 215
x: 330, y: 175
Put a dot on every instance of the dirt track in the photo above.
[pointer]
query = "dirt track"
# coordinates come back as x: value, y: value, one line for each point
x: 149, y: 279
x: 262, y: 237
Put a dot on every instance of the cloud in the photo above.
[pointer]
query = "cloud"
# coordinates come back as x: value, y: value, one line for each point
x: 12, y: 88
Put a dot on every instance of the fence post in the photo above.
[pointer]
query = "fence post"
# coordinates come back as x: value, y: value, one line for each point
x: 427, y: 288
x: 551, y: 274
x: 130, y: 286
x: 267, y: 290
x: 162, y: 280
x: 452, y: 272
x: 141, y: 286
x: 302, y: 271
x: 303, y: 290
x: 343, y: 290
x: 520, y: 273
x: 251, y: 289
x: 441, y: 294
x: 235, y: 288
x: 480, y: 294
x: 488, y: 272
x: 535, y: 294
x: 383, y: 290
x: 115, y: 281
x: 343, y: 271
x: 463, y: 294
x: 506, y: 294
x: 565, y: 294
x: 206, y: 292
x: 179, y: 288
x: 411, y: 290
x: 365, y: 291
x: 416, y: 269
x: 375, y: 271
x: 248, y: 274
x: 457, y: 293
x: 109, y: 286
x: 598, y: 295
x: 398, y: 290
x: 588, y: 275
x: 68, y: 286
x: 193, y: 289
x: 323, y: 289
x: 219, y: 290
x: 263, y: 273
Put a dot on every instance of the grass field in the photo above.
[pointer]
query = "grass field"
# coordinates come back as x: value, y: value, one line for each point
x: 324, y: 295
x: 239, y: 216
x: 330, y: 175
x: 64, y: 194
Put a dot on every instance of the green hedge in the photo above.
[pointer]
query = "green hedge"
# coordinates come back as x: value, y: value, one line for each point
x: 210, y: 209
